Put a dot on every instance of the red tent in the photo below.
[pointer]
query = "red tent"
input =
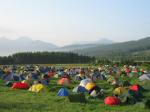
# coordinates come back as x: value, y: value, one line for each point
x: 20, y: 85
x: 134, y: 88
x: 111, y: 100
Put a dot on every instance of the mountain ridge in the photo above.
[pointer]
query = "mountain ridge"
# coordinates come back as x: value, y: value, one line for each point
x: 23, y: 44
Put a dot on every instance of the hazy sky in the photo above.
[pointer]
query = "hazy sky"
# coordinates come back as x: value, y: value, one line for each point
x: 67, y: 21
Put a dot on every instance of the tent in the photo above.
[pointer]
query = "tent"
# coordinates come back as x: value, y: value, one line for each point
x: 34, y: 76
x: 146, y: 84
x: 111, y: 100
x: 136, y: 88
x: 45, y: 79
x: 28, y: 81
x: 144, y: 77
x: 51, y: 74
x: 9, y: 83
x: 63, y: 92
x: 64, y: 81
x: 36, y: 88
x: 56, y: 75
x: 84, y: 82
x: 118, y: 91
x: 131, y: 97
x: 7, y: 77
x: 20, y: 85
x: 45, y: 82
x: 90, y: 86
x: 80, y: 77
x: 79, y: 89
x: 95, y: 93
x: 16, y: 78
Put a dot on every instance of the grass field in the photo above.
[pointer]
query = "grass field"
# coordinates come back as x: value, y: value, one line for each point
x: 48, y: 101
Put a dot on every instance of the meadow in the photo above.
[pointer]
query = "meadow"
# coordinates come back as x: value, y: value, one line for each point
x: 48, y: 101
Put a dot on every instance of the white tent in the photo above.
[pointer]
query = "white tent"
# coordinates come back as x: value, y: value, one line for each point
x: 85, y: 81
x: 144, y: 77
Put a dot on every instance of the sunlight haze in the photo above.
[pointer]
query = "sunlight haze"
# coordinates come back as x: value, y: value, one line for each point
x: 63, y: 22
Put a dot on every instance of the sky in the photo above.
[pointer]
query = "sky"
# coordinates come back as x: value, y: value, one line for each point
x: 64, y: 22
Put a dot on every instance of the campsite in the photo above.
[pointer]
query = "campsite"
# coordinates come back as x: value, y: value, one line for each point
x: 65, y: 89
x: 74, y: 55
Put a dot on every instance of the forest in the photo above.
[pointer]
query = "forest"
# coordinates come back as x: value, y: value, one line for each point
x: 45, y: 58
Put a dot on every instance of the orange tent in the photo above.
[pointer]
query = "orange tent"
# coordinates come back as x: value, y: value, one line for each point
x: 51, y: 74
x: 64, y: 81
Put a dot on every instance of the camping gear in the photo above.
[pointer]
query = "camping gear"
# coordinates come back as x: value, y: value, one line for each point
x: 64, y: 81
x: 28, y: 81
x: 77, y: 97
x: 131, y: 97
x: 51, y: 74
x: 112, y: 100
x: 146, y: 84
x: 16, y: 78
x: 9, y: 83
x: 7, y: 77
x: 118, y: 91
x: 36, y: 88
x: 90, y: 86
x: 85, y: 81
x: 45, y: 82
x: 79, y: 89
x: 20, y: 85
x: 136, y: 88
x: 63, y: 92
x: 144, y: 77
x: 96, y: 94
x: 93, y: 93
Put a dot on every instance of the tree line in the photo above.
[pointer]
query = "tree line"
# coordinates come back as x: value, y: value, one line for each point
x: 124, y: 59
x: 45, y: 58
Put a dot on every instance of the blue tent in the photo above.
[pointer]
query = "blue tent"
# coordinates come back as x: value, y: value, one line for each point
x: 16, y: 78
x: 63, y: 92
x: 45, y: 82
x: 22, y: 77
x: 34, y: 76
x: 7, y: 77
x: 1, y: 73
x: 79, y: 89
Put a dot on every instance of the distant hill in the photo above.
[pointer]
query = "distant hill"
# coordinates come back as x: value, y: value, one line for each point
x: 23, y: 44
x: 101, y: 48
x: 124, y: 48
x: 100, y: 41
x: 85, y: 45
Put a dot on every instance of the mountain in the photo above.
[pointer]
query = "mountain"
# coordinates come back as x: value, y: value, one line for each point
x: 85, y: 45
x: 124, y: 48
x: 100, y: 41
x: 23, y: 44
x: 103, y: 41
x: 101, y: 48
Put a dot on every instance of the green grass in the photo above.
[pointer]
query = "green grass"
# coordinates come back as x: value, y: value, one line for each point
x: 48, y: 101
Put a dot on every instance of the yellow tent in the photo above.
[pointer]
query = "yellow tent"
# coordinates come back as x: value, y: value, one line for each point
x: 90, y: 86
x: 36, y: 88
x: 118, y: 91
